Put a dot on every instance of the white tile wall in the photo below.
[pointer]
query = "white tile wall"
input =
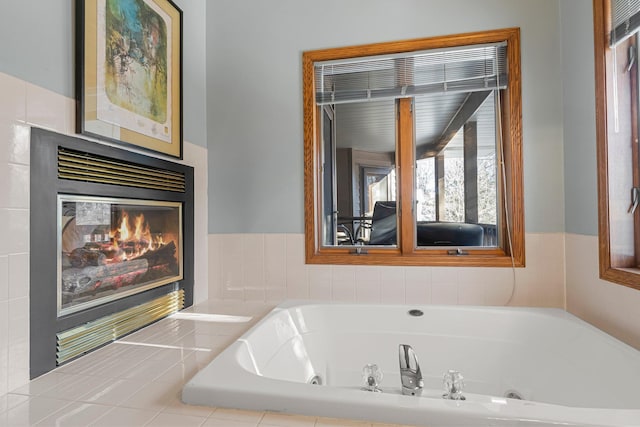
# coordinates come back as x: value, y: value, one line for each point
x: 242, y: 264
x: 14, y: 227
x: 23, y: 105
x: 610, y: 307
x: 196, y: 157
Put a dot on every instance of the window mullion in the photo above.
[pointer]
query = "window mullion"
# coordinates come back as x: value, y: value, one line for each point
x: 406, y: 185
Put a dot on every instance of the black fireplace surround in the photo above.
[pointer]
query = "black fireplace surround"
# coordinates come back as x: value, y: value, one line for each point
x: 46, y: 184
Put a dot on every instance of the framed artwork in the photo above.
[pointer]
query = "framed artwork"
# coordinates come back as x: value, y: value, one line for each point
x: 129, y: 73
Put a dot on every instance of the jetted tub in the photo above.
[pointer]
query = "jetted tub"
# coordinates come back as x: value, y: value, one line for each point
x: 565, y: 371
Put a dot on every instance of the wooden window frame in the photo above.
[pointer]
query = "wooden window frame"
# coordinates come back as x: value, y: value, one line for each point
x: 618, y: 263
x: 406, y: 252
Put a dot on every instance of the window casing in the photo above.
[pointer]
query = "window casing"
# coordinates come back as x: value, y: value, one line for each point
x: 617, y: 99
x: 507, y: 251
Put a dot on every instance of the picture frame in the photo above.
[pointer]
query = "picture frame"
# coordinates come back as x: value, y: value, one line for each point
x: 129, y: 73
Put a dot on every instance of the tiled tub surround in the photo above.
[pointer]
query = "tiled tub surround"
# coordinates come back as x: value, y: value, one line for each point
x: 270, y: 267
x: 608, y: 306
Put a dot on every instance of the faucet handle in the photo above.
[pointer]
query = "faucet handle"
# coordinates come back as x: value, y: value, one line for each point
x: 453, y: 383
x: 372, y: 376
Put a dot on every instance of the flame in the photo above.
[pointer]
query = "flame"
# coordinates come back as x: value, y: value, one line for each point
x: 134, y: 236
x: 124, y: 227
x: 142, y: 232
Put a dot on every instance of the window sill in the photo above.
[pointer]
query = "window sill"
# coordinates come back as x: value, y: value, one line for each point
x: 441, y: 259
x: 629, y: 277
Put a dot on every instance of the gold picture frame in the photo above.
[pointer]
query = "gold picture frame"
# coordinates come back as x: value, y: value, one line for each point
x: 129, y: 73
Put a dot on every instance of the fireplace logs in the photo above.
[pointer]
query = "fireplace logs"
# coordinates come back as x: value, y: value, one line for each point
x: 93, y: 269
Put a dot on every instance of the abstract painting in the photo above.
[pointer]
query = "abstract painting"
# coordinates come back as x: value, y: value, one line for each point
x: 130, y: 78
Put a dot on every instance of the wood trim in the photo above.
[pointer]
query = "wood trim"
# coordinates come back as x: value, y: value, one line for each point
x: 512, y: 144
x: 403, y: 46
x: 406, y: 253
x: 625, y: 276
x: 599, y: 19
x: 405, y: 174
x: 310, y: 136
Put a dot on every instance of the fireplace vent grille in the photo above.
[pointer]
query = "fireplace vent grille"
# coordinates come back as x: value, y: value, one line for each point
x: 81, y: 339
x: 87, y: 167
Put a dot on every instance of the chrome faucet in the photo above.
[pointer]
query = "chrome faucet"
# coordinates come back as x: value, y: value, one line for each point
x: 410, y: 374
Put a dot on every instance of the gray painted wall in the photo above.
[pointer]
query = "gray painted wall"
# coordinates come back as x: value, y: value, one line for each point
x: 38, y: 47
x: 251, y: 121
x: 580, y: 172
x: 255, y: 103
x: 37, y: 42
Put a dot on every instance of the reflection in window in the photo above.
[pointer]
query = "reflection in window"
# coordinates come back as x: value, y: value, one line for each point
x: 380, y: 186
x: 453, y: 198
x: 456, y: 168
x: 426, y: 189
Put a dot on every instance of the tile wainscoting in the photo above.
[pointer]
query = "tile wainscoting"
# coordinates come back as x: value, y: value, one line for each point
x: 270, y: 267
x: 610, y: 307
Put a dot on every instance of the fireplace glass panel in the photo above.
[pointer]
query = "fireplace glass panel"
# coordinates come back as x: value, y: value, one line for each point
x: 112, y: 248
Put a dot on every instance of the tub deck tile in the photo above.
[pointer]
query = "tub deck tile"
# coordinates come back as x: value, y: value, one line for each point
x: 137, y: 381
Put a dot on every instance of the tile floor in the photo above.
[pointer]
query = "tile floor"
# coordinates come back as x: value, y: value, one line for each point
x: 136, y: 381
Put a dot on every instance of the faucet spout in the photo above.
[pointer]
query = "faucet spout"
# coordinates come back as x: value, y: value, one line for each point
x: 410, y: 374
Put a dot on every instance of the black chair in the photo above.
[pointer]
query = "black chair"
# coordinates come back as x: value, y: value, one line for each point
x: 344, y: 235
x: 384, y: 224
x: 449, y: 234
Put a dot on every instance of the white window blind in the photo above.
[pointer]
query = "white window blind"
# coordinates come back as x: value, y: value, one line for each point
x: 459, y: 69
x: 625, y: 19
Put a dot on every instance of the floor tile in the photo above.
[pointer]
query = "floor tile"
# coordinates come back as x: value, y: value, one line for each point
x: 150, y: 397
x: 34, y: 410
x: 41, y: 384
x: 337, y: 422
x: 114, y: 392
x: 216, y: 422
x: 151, y: 369
x: 286, y: 420
x: 11, y: 400
x: 237, y: 415
x: 124, y: 417
x: 74, y: 387
x: 172, y: 420
x: 76, y: 414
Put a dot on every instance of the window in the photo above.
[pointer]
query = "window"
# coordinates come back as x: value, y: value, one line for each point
x: 616, y: 24
x: 413, y: 152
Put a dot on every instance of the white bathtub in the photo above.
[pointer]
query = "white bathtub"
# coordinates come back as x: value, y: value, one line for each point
x: 566, y: 371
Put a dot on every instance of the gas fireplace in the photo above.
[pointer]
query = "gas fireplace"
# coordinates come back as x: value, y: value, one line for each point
x: 111, y: 244
x: 112, y: 248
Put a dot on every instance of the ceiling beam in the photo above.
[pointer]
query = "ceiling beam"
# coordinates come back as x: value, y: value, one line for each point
x: 467, y: 109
